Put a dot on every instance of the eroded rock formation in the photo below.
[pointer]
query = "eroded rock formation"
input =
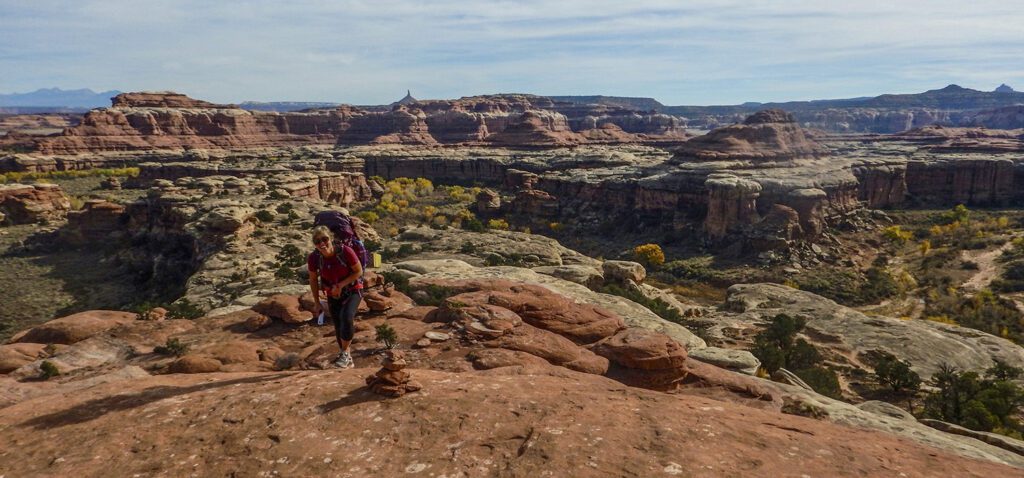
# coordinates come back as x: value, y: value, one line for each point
x: 32, y: 203
x: 167, y: 120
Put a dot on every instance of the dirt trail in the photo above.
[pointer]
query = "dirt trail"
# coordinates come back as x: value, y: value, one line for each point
x: 987, y: 267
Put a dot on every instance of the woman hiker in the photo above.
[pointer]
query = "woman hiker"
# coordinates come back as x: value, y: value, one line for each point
x: 335, y: 270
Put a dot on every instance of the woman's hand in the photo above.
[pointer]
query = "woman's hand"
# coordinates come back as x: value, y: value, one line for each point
x: 317, y: 309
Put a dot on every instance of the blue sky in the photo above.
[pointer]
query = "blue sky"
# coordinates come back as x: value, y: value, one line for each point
x: 370, y: 52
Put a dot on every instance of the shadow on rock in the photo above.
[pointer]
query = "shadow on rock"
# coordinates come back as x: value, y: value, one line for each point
x: 94, y: 409
x: 355, y: 397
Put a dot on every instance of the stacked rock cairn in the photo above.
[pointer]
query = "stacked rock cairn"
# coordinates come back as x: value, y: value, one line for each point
x: 391, y: 380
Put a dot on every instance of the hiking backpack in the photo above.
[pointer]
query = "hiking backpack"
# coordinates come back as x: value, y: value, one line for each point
x: 344, y: 232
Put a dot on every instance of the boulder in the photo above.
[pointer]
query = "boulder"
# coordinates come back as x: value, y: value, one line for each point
x: 621, y: 271
x: 232, y: 352
x: 739, y: 360
x: 642, y: 350
x: 257, y: 322
x: 76, y: 327
x: 283, y: 307
x: 32, y: 203
x: 195, y: 364
x: 587, y: 276
x: 13, y: 356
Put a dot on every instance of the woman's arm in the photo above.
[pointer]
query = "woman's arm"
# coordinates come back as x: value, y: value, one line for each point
x: 357, y: 272
x: 314, y: 287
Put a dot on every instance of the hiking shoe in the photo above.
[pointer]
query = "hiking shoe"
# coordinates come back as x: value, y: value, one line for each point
x: 344, y: 360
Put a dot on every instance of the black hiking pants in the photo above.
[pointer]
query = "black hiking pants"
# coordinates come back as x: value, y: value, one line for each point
x: 343, y: 313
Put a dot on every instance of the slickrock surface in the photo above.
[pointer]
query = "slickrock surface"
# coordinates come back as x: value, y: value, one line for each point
x: 510, y: 422
x: 852, y: 338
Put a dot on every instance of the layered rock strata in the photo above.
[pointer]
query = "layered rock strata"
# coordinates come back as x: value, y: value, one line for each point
x: 166, y: 120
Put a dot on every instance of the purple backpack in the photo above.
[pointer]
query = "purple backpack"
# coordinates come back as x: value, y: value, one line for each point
x: 343, y: 230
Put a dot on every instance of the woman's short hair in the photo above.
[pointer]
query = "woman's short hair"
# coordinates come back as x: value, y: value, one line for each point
x: 321, y: 231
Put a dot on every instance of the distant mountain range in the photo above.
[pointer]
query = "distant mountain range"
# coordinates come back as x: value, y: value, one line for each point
x: 58, y: 98
x: 284, y: 106
x: 636, y: 103
x: 952, y: 105
x: 952, y: 97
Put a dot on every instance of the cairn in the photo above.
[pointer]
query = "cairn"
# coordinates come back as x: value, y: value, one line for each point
x: 391, y: 380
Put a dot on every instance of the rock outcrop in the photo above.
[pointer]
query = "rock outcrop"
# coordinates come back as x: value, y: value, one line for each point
x: 544, y: 415
x: 145, y: 121
x: 854, y: 339
x: 167, y: 120
x: 32, y: 203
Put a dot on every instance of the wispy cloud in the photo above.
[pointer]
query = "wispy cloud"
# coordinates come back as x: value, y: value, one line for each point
x: 695, y: 52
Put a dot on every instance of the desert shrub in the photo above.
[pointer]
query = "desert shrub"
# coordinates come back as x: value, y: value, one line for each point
x: 984, y: 403
x: 76, y: 203
x: 264, y: 215
x: 459, y: 194
x: 284, y: 208
x: 405, y: 250
x: 822, y: 380
x: 289, y: 258
x: 287, y: 361
x: 22, y: 176
x: 397, y: 280
x: 369, y: 216
x: 848, y: 287
x: 697, y: 269
x: 432, y: 295
x: 897, y: 234
x: 474, y: 225
x: 897, y: 375
x: 655, y: 305
x: 387, y: 335
x: 982, y: 311
x: 468, y: 248
x: 509, y: 259
x: 1012, y: 279
x: 172, y: 346
x: 183, y: 309
x: 48, y: 370
x: 777, y: 346
x: 959, y: 214
x: 649, y: 255
x: 423, y: 186
x: 499, y: 224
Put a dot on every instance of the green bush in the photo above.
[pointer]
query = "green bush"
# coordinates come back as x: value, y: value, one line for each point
x: 172, y: 346
x: 776, y: 346
x: 982, y: 311
x: 473, y: 225
x: 264, y: 215
x: 657, y: 306
x: 287, y: 361
x: 433, y: 295
x: 183, y: 309
x: 897, y: 375
x: 989, y: 403
x: 397, y: 280
x: 387, y: 335
x: 822, y: 380
x: 48, y: 370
